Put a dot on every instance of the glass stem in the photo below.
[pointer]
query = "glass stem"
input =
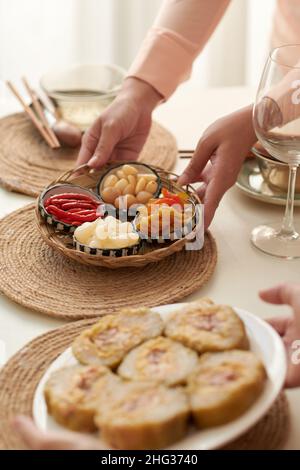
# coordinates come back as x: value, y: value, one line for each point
x: 288, y: 228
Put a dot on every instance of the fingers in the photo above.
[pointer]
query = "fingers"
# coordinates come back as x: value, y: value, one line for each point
x: 89, y: 143
x: 30, y: 435
x: 108, y: 140
x: 98, y: 143
x: 213, y: 195
x: 126, y: 155
x: 279, y: 324
x: 287, y: 294
x: 202, y: 154
x: 36, y: 439
x: 219, y: 181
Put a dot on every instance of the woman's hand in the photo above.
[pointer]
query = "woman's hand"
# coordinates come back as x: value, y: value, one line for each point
x: 287, y: 327
x: 122, y: 129
x: 219, y: 156
x: 36, y: 439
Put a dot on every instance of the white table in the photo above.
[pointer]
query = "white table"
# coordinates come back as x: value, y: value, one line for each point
x: 241, y: 270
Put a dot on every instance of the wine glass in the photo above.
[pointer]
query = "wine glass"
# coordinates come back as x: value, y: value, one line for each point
x: 276, y: 120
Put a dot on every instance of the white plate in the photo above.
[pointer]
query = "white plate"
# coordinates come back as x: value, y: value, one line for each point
x: 264, y: 341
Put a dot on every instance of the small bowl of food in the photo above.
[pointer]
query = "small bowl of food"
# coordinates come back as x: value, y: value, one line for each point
x: 107, y: 237
x: 82, y: 92
x: 127, y: 185
x: 167, y: 218
x: 66, y: 206
x: 274, y: 172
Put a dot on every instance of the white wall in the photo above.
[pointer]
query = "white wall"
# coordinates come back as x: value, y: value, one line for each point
x: 38, y: 34
x: 259, y: 25
x: 237, y: 50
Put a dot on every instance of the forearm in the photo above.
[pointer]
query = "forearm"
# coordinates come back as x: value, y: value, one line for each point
x: 178, y: 35
x: 140, y: 91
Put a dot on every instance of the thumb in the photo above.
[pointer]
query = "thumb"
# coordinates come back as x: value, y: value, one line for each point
x: 202, y: 155
x: 108, y: 140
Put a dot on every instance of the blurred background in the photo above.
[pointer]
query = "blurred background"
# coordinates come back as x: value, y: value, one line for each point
x: 36, y: 35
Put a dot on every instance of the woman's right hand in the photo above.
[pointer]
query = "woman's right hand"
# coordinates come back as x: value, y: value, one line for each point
x: 122, y: 129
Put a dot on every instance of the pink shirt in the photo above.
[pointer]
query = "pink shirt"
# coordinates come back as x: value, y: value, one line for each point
x: 182, y: 29
x: 179, y: 33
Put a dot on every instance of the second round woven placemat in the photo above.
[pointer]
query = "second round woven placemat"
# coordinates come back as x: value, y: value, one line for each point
x: 35, y: 276
x: 27, y: 164
x: 21, y: 375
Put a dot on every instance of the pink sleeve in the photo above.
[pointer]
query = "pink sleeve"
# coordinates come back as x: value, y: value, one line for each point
x: 286, y: 23
x: 179, y: 33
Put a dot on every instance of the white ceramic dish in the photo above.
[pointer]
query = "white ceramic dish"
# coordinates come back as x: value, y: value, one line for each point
x: 264, y: 341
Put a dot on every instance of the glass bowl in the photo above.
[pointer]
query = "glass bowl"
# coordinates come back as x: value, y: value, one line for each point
x: 82, y: 92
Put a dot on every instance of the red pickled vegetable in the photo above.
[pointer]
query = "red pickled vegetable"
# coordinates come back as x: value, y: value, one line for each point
x: 85, y: 218
x: 167, y: 200
x: 53, y: 210
x: 77, y: 209
x: 77, y: 196
x: 168, y: 195
x: 62, y: 201
x: 84, y: 212
x: 73, y: 208
x: 75, y: 205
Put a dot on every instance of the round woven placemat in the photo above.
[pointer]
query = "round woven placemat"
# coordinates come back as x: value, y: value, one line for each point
x: 21, y: 375
x: 34, y: 275
x: 27, y: 164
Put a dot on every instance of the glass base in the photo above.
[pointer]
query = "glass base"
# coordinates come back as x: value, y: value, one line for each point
x: 270, y: 240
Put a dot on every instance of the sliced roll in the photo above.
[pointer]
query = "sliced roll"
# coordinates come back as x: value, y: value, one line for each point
x: 144, y: 416
x: 73, y: 393
x: 107, y: 342
x: 224, y: 386
x: 161, y: 360
x: 207, y: 327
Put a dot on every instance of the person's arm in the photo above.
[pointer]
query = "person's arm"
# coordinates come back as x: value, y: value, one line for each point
x: 178, y: 35
x: 165, y: 59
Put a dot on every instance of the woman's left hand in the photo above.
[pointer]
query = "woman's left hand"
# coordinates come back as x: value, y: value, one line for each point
x: 36, y: 439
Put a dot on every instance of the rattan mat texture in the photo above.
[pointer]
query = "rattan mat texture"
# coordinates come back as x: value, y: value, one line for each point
x: 39, y: 278
x: 21, y: 375
x: 27, y: 164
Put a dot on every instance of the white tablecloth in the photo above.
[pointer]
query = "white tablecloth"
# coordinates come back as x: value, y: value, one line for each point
x: 241, y: 270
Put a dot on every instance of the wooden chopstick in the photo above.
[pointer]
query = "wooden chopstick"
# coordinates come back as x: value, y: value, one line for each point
x: 186, y: 154
x: 39, y: 110
x: 31, y: 115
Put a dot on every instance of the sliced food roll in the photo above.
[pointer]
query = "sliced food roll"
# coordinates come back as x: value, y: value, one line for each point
x: 207, y: 328
x: 113, y: 336
x: 144, y: 416
x: 73, y: 393
x: 160, y: 360
x: 224, y: 386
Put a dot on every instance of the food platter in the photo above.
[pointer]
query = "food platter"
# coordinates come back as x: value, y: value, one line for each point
x: 264, y: 342
x: 134, y: 184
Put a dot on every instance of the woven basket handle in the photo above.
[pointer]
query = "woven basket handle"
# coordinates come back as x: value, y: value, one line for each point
x: 68, y: 173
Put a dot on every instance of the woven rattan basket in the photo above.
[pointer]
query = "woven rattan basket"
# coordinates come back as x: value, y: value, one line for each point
x: 88, y: 178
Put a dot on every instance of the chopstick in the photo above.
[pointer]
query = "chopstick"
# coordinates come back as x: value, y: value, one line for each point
x: 31, y: 115
x: 39, y: 110
x: 186, y: 154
